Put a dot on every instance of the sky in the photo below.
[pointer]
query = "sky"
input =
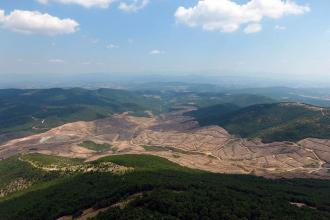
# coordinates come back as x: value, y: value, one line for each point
x: 265, y: 37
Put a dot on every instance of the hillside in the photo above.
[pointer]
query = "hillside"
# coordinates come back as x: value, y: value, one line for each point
x: 158, y: 189
x: 179, y: 139
x: 270, y: 122
x: 24, y: 112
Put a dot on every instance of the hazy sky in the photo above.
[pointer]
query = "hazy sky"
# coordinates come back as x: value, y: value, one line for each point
x: 177, y: 36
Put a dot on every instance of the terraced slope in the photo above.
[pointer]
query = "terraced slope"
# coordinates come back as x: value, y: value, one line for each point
x: 270, y: 122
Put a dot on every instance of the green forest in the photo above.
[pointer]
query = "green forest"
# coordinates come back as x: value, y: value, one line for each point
x: 270, y: 122
x: 166, y: 191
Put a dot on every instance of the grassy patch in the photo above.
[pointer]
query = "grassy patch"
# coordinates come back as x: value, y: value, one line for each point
x: 46, y: 160
x: 96, y: 147
x: 154, y: 148
x: 145, y: 162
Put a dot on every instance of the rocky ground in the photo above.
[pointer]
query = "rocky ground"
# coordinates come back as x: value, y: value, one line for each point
x: 181, y: 140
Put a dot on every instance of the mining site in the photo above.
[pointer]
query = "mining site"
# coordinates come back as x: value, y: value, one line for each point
x: 180, y: 139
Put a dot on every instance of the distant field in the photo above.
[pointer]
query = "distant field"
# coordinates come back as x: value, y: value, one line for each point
x: 97, y: 147
x: 154, y: 148
x: 159, y: 189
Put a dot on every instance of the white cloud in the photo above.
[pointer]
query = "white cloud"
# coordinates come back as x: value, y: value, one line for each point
x: 56, y: 60
x: 130, y: 40
x: 252, y: 28
x: 133, y: 6
x: 84, y: 3
x: 86, y: 63
x: 156, y: 52
x: 43, y: 1
x: 280, y: 28
x: 112, y: 46
x: 124, y: 5
x: 228, y: 16
x: 34, y: 22
x: 95, y: 41
x: 2, y: 16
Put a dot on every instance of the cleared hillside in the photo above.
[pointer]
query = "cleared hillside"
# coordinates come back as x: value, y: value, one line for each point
x: 179, y: 139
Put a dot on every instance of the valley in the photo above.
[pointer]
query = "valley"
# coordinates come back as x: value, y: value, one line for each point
x: 112, y: 154
x: 180, y: 139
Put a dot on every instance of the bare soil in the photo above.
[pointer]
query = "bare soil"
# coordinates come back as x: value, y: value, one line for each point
x: 184, y: 142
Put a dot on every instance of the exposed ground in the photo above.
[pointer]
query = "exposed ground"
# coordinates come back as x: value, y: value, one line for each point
x: 180, y: 139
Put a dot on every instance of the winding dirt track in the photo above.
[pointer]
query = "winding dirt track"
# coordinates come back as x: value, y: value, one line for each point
x: 182, y: 141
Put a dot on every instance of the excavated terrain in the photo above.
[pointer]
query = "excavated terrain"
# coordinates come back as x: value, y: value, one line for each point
x: 180, y: 139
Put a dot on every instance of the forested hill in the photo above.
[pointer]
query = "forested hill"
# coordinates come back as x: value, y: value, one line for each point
x: 152, y: 188
x: 270, y: 122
